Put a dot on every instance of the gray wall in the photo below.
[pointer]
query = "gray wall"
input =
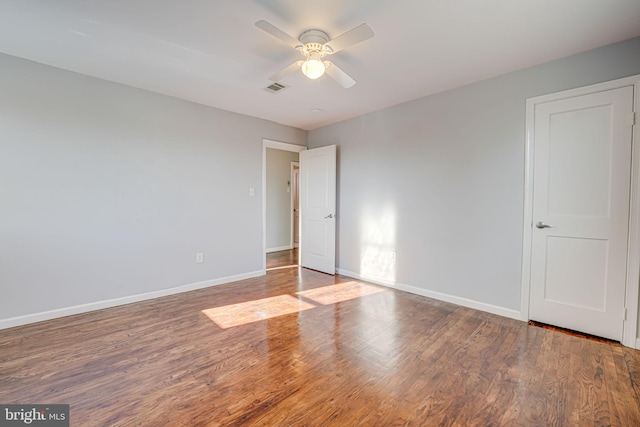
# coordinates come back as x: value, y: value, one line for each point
x: 108, y: 191
x: 278, y: 205
x: 440, y: 180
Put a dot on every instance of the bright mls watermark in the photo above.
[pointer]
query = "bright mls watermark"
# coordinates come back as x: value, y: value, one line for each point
x: 34, y: 415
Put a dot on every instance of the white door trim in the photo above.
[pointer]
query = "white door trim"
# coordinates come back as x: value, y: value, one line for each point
x: 268, y: 143
x: 630, y: 330
x: 291, y: 204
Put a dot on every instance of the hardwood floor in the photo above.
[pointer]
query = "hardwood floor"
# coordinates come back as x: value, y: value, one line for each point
x: 282, y: 259
x: 360, y: 356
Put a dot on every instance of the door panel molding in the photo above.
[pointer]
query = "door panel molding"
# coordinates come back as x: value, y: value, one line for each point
x: 630, y: 325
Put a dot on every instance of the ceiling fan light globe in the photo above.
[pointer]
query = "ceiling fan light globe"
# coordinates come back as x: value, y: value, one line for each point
x: 313, y: 68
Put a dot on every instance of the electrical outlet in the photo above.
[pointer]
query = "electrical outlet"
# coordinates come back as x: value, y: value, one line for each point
x: 393, y: 255
x: 252, y: 191
x: 199, y: 257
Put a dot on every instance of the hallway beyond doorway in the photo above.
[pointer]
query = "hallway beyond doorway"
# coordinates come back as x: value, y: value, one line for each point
x: 282, y: 259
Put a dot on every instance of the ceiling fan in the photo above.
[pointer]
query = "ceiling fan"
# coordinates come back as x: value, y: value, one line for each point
x: 314, y: 45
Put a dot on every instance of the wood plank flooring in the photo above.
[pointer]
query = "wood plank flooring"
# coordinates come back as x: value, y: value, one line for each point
x: 282, y: 259
x: 363, y: 358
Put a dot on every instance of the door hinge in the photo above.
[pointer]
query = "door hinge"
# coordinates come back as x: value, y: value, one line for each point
x: 624, y: 313
x: 633, y: 119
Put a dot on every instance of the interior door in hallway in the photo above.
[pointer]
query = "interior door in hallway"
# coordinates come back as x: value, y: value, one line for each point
x: 581, y: 190
x: 295, y: 186
x: 318, y: 209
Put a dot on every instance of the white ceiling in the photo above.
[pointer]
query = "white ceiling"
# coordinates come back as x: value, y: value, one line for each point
x: 210, y: 52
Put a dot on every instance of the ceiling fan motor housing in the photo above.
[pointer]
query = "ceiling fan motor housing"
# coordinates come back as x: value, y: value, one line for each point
x: 314, y: 41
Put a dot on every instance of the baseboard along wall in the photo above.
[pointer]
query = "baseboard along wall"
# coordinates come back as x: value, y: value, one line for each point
x: 465, y: 302
x: 278, y: 249
x: 99, y: 305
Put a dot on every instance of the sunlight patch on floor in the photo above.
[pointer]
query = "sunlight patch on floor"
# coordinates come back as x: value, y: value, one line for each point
x: 253, y: 311
x: 342, y: 292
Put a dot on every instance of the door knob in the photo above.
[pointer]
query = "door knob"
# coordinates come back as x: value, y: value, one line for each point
x: 541, y: 224
x: 329, y: 216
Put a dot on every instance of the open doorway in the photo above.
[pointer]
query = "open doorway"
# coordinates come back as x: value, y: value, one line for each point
x: 280, y: 195
x: 287, y: 258
x: 279, y: 200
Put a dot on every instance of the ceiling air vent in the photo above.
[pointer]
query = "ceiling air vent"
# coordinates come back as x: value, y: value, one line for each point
x: 275, y: 87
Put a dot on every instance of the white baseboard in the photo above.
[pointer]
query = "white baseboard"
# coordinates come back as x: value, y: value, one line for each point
x: 637, y: 343
x: 465, y: 302
x: 99, y: 305
x: 279, y: 248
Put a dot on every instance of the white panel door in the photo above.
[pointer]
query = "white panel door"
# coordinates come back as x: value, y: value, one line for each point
x: 318, y: 209
x: 581, y: 189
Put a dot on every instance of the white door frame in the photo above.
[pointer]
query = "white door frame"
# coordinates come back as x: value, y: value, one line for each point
x: 269, y: 143
x: 292, y: 214
x: 630, y: 329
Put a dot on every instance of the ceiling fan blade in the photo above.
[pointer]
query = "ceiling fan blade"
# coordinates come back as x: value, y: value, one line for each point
x: 338, y: 75
x: 278, y: 33
x: 354, y: 36
x: 285, y: 71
